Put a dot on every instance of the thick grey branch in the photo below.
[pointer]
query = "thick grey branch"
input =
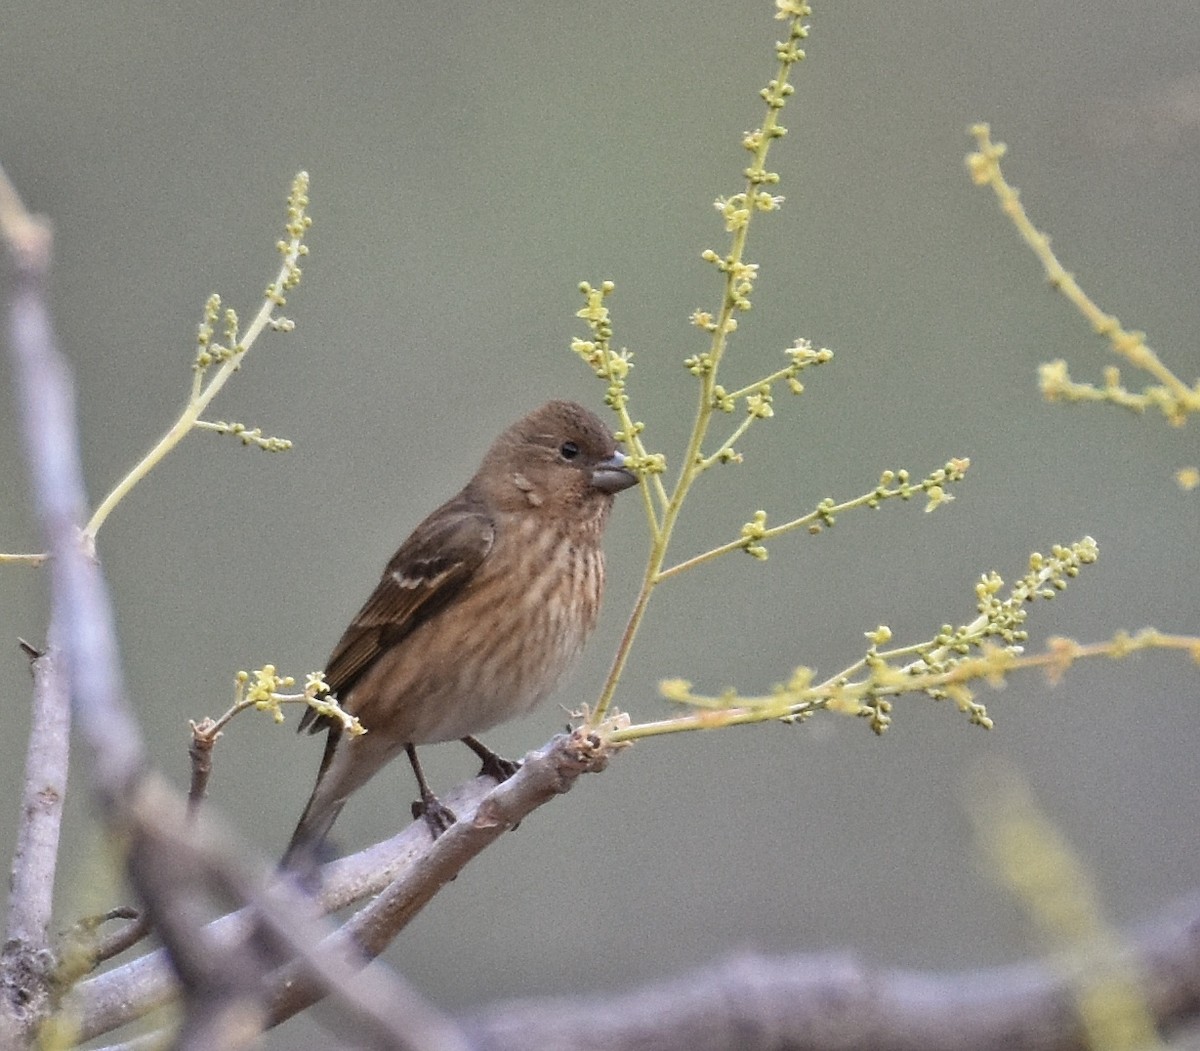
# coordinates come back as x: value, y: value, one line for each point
x: 27, y: 961
x: 27, y: 958
x: 806, y: 1003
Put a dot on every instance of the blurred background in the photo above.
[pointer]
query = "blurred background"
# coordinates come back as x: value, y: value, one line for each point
x: 470, y: 164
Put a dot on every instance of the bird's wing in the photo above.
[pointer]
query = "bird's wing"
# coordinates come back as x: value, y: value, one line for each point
x: 430, y: 568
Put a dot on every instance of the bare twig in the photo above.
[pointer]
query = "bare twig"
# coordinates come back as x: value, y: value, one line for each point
x: 93, y: 949
x: 200, y: 752
x: 120, y: 940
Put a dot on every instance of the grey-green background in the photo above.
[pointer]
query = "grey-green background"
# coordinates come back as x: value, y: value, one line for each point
x: 470, y: 164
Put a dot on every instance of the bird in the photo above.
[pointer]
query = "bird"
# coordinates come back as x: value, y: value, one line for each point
x: 476, y: 618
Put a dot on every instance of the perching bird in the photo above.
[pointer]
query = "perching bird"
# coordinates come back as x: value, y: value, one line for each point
x: 478, y: 615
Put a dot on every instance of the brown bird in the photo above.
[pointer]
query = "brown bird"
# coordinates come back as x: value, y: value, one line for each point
x: 478, y: 615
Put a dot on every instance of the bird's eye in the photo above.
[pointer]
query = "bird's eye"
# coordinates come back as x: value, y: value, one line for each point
x: 568, y: 450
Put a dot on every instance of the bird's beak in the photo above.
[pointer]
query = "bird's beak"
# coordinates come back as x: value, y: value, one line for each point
x: 611, y: 475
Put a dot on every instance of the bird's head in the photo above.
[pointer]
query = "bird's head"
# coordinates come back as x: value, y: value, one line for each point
x: 560, y: 460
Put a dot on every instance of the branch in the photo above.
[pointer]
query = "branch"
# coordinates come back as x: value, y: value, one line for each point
x: 27, y: 961
x: 749, y: 1003
x: 405, y: 872
x: 227, y: 977
x: 816, y: 1003
x: 544, y: 774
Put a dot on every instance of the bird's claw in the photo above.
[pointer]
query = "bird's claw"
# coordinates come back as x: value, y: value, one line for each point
x: 437, y: 815
x: 494, y: 766
x: 500, y: 769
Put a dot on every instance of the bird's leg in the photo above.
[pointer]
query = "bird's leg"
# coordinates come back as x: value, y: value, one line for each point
x: 437, y: 815
x: 494, y: 766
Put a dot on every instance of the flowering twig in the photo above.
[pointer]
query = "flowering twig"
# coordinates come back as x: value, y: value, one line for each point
x: 988, y: 647
x: 1170, y: 395
x: 263, y: 689
x: 227, y: 357
x: 891, y: 484
x: 714, y: 400
x: 662, y: 506
x: 247, y: 435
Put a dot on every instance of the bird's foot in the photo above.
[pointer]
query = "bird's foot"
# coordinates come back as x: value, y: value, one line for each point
x: 437, y: 815
x: 495, y: 765
x: 498, y: 767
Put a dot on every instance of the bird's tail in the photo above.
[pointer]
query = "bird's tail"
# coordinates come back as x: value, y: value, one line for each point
x: 303, y: 852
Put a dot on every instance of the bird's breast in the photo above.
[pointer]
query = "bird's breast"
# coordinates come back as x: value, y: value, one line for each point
x: 499, y: 648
